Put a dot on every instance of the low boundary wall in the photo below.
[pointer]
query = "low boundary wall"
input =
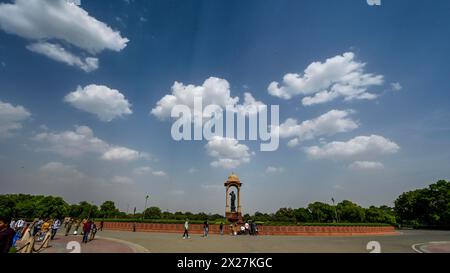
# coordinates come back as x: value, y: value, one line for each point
x: 262, y: 230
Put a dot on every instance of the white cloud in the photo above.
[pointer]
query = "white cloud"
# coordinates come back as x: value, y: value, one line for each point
x: 57, y: 19
x: 82, y: 141
x: 366, y: 165
x: 102, y: 101
x: 142, y: 171
x: 121, y: 154
x: 396, y: 86
x: 72, y: 143
x: 11, y: 118
x: 212, y: 91
x: 159, y: 173
x: 330, y: 123
x: 272, y: 170
x: 58, y: 53
x: 50, y: 20
x: 228, y: 152
x: 340, y: 76
x: 122, y: 180
x: 60, y: 172
x: 361, y: 146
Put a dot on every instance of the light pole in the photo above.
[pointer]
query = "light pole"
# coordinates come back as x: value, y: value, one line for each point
x: 335, y: 211
x: 145, y: 208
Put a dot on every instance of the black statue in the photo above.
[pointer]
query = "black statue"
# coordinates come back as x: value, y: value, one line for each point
x: 233, y: 200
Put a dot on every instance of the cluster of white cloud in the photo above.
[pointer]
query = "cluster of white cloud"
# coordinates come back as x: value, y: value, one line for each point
x: 361, y: 146
x: 366, y: 165
x: 273, y: 170
x: 11, y: 118
x: 330, y: 123
x: 396, y: 86
x: 61, y: 171
x: 228, y: 152
x: 59, y: 20
x: 59, y: 54
x: 102, y: 101
x: 213, y: 91
x: 340, y: 76
x: 121, y: 180
x: 82, y: 141
x: 141, y: 171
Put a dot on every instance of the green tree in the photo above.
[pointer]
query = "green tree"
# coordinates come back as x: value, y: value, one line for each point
x: 285, y: 215
x: 108, y: 210
x: 153, y: 213
x: 428, y: 206
x: 350, y: 212
x: 303, y: 215
x: 321, y: 212
x: 382, y: 214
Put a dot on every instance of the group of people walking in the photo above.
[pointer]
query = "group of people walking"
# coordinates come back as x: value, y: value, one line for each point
x: 42, y: 230
x: 248, y: 228
x: 88, y: 228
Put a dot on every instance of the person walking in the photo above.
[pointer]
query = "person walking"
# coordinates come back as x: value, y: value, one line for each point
x: 221, y: 228
x: 186, y: 229
x: 205, y: 228
x: 101, y: 226
x: 37, y: 226
x: 77, y: 226
x: 55, y: 226
x: 86, y: 230
x: 247, y: 228
x: 93, y: 231
x: 6, y: 235
x: 69, y: 226
x: 20, y: 224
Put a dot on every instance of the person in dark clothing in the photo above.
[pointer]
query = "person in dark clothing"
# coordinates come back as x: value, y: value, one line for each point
x: 101, y: 226
x: 6, y: 235
x: 86, y: 229
x: 221, y: 228
x: 205, y: 228
x: 93, y: 231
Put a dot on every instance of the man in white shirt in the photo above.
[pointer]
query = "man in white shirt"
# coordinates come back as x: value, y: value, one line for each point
x: 20, y: 224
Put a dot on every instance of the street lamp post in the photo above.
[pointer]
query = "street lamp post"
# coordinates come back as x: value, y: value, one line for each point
x: 335, y: 211
x: 145, y: 208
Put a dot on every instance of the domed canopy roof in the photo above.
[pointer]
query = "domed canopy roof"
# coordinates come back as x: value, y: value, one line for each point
x: 233, y: 178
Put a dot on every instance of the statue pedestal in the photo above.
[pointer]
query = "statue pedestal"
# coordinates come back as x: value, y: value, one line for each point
x: 234, y: 217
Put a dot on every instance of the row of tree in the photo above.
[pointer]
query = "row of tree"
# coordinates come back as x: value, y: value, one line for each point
x: 428, y: 206
x: 34, y: 206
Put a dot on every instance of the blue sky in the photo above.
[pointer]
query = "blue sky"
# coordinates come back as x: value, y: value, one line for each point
x: 142, y: 47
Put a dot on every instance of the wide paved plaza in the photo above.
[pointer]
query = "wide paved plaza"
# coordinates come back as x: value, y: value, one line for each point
x: 408, y: 241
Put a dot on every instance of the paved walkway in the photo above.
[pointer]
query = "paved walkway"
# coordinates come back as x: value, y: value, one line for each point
x: 432, y: 247
x: 173, y: 243
x: 409, y: 241
x: 62, y: 244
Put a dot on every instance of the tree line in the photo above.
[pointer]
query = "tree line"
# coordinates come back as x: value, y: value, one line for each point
x: 427, y: 207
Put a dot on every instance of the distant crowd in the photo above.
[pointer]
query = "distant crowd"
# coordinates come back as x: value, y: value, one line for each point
x: 248, y: 228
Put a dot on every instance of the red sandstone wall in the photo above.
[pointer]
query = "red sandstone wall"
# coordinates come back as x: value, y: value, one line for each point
x: 263, y: 230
